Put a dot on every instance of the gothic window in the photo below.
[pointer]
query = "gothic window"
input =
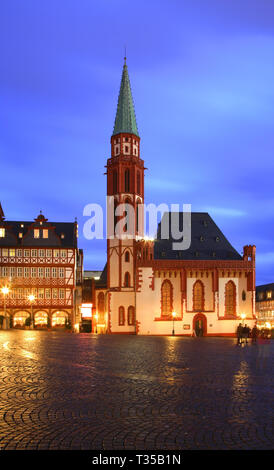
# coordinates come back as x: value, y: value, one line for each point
x: 127, y: 213
x: 166, y: 298
x: 127, y: 256
x: 121, y: 316
x: 131, y: 315
x: 127, y: 175
x: 114, y: 214
x: 127, y: 280
x: 198, y: 296
x: 230, y: 299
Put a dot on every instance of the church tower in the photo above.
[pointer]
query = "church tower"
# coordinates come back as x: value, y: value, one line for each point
x: 125, y: 185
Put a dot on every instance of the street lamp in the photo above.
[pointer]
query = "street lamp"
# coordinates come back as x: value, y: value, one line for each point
x: 173, y: 316
x: 5, y: 291
x: 31, y: 299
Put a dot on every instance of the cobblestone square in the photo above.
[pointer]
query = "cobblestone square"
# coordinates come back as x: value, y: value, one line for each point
x: 67, y: 391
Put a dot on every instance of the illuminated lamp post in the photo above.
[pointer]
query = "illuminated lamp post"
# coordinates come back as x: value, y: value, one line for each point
x: 5, y: 291
x: 173, y: 317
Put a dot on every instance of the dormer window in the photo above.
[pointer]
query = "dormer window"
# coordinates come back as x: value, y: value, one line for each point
x: 36, y: 233
x: 217, y: 239
x: 2, y: 232
x: 20, y: 235
x: 62, y: 236
x: 45, y: 233
x: 269, y: 295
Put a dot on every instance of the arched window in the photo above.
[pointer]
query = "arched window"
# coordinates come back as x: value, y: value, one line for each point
x: 127, y: 257
x: 101, y: 307
x: 127, y: 176
x: 127, y: 215
x: 127, y: 280
x: 166, y: 298
x: 230, y: 299
x: 114, y: 214
x: 198, y: 296
x: 138, y: 182
x: 243, y: 296
x: 115, y: 181
x: 121, y: 316
x: 131, y: 315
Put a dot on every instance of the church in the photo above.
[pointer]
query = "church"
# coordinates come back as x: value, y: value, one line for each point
x: 147, y: 287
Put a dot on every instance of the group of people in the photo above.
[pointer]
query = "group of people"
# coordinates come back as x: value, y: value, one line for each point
x: 245, y: 332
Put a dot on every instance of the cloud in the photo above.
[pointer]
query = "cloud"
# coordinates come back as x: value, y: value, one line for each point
x: 155, y: 183
x: 265, y: 258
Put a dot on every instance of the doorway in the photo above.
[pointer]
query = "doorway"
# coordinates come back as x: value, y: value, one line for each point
x: 200, y: 325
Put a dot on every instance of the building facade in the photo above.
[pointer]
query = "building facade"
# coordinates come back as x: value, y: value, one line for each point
x: 41, y: 270
x: 265, y: 305
x: 147, y: 287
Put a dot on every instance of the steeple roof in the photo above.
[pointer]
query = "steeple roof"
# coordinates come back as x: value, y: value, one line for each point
x: 125, y: 120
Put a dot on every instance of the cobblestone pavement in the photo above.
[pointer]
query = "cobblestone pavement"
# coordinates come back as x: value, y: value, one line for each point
x: 66, y: 391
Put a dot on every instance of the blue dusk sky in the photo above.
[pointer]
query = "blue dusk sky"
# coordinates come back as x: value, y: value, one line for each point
x: 202, y: 77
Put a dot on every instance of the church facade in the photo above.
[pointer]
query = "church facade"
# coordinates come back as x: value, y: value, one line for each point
x: 149, y: 288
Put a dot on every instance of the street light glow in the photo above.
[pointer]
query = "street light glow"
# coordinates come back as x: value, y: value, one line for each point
x: 5, y: 290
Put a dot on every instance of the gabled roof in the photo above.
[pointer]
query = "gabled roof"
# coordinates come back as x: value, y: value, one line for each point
x: 265, y: 287
x: 64, y: 230
x: 125, y: 120
x: 207, y: 241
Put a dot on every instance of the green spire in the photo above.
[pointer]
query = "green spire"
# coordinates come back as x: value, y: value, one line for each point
x: 125, y: 120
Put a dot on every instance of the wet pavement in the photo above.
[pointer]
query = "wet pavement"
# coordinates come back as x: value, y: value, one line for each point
x: 68, y: 391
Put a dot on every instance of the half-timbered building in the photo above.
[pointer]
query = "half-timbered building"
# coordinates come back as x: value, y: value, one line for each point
x: 40, y: 270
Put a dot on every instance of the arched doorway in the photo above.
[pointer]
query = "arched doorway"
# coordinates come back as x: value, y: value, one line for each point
x: 41, y: 319
x: 21, y: 319
x: 200, y: 325
x: 59, y: 319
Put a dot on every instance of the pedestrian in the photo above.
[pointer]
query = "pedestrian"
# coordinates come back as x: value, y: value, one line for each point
x: 239, y: 334
x: 254, y: 334
x: 245, y: 333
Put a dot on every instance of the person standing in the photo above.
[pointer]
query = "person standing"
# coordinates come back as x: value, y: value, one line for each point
x: 239, y: 334
x: 254, y: 334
